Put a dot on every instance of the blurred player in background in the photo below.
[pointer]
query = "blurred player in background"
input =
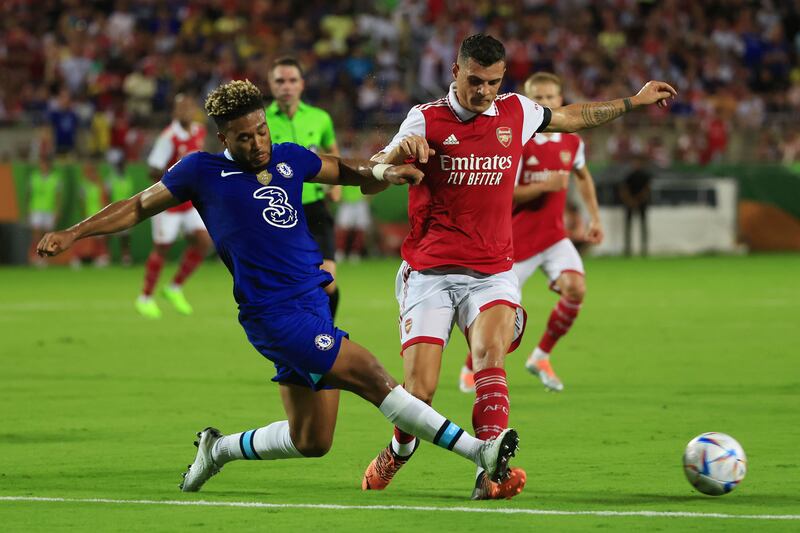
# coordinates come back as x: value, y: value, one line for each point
x: 292, y: 120
x: 119, y: 186
x: 634, y: 192
x: 247, y: 195
x: 458, y: 255
x: 352, y: 222
x: 44, y: 200
x: 182, y: 137
x: 92, y: 198
x: 540, y: 238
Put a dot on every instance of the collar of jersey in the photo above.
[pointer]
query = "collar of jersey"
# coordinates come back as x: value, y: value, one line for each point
x: 274, y: 108
x: 542, y: 139
x: 461, y: 113
x: 180, y: 133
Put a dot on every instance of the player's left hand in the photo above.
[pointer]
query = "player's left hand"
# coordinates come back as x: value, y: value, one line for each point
x: 402, y: 174
x: 595, y: 234
x: 54, y: 243
x: 654, y: 92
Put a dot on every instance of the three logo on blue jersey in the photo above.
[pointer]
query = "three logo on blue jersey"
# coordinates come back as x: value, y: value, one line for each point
x: 279, y: 212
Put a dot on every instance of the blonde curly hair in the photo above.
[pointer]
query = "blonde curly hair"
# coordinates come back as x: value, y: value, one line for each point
x: 233, y: 100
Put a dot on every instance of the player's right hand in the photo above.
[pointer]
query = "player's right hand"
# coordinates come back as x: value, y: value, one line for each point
x: 54, y: 243
x: 556, y: 181
x: 402, y: 174
x: 416, y: 147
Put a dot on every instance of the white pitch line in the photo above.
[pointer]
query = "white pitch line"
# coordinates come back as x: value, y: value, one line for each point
x: 337, y: 507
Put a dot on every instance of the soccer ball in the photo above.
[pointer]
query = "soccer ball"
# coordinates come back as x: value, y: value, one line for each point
x: 714, y: 463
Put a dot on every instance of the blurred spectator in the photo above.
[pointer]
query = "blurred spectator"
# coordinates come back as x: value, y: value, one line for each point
x: 65, y: 122
x: 93, y: 199
x: 118, y: 187
x: 44, y: 201
x: 734, y: 59
x: 634, y: 191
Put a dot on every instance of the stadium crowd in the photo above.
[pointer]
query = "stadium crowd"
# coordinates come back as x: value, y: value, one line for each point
x: 98, y: 71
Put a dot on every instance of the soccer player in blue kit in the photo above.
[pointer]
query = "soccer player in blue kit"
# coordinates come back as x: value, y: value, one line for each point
x: 249, y: 198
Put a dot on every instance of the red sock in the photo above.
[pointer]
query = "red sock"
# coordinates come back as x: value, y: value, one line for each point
x: 403, y: 437
x: 490, y: 412
x: 558, y: 324
x: 189, y: 263
x: 152, y: 269
x: 468, y: 361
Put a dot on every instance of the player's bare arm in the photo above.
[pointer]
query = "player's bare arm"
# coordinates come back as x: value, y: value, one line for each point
x: 576, y: 117
x: 585, y: 184
x: 114, y: 217
x: 556, y: 181
x: 363, y: 172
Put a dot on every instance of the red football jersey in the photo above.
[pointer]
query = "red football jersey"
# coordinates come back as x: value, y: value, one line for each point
x: 172, y: 144
x: 460, y: 215
x: 539, y: 224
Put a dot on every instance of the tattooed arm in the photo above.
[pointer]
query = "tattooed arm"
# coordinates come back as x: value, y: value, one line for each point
x: 576, y: 117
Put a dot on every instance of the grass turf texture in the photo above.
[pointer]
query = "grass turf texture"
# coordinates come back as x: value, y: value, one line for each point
x: 98, y: 402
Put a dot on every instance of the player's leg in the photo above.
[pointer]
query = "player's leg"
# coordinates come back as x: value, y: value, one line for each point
x: 421, y: 366
x: 125, y: 248
x: 165, y: 228
x: 358, y: 371
x: 320, y: 224
x: 199, y: 244
x: 563, y: 265
x: 307, y: 432
x: 522, y: 270
x: 490, y: 336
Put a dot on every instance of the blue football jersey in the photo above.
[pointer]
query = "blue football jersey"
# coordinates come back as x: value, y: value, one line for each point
x: 256, y: 221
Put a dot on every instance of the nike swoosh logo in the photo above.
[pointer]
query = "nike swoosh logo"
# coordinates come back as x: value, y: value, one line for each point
x: 225, y: 174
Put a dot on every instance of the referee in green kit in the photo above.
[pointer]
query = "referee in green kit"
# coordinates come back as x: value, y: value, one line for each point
x: 291, y: 120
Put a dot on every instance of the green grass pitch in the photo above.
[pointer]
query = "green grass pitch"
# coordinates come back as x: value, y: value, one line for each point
x: 98, y: 403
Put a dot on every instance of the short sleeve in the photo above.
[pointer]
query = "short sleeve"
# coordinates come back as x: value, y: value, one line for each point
x: 580, y: 156
x: 328, y: 138
x: 161, y: 152
x: 181, y: 178
x: 414, y: 124
x: 535, y: 117
x: 305, y: 162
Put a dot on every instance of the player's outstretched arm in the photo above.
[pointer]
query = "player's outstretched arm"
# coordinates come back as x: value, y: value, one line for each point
x: 585, y: 184
x: 111, y: 219
x: 363, y: 172
x: 576, y: 117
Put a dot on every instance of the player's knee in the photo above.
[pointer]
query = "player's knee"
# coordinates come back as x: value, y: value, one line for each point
x: 490, y: 355
x: 421, y: 388
x: 574, y: 289
x: 316, y: 446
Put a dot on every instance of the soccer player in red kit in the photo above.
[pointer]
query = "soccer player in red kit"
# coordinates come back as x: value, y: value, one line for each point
x: 182, y: 137
x: 540, y: 239
x: 458, y: 255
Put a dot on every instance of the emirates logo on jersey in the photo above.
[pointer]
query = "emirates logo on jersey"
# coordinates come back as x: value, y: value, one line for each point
x: 566, y: 156
x: 504, y: 136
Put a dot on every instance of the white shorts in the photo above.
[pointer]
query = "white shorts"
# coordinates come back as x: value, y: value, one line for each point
x: 353, y: 215
x: 431, y: 301
x: 559, y: 258
x: 168, y: 225
x: 42, y: 220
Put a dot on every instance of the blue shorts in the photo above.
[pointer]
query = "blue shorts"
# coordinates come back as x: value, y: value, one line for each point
x: 298, y: 337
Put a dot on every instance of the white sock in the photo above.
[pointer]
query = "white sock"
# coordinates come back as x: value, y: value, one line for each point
x: 270, y: 442
x: 539, y: 354
x: 403, y: 449
x: 414, y: 416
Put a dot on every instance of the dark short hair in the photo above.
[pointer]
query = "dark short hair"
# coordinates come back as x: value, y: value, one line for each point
x: 482, y: 48
x: 286, y: 61
x: 233, y: 100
